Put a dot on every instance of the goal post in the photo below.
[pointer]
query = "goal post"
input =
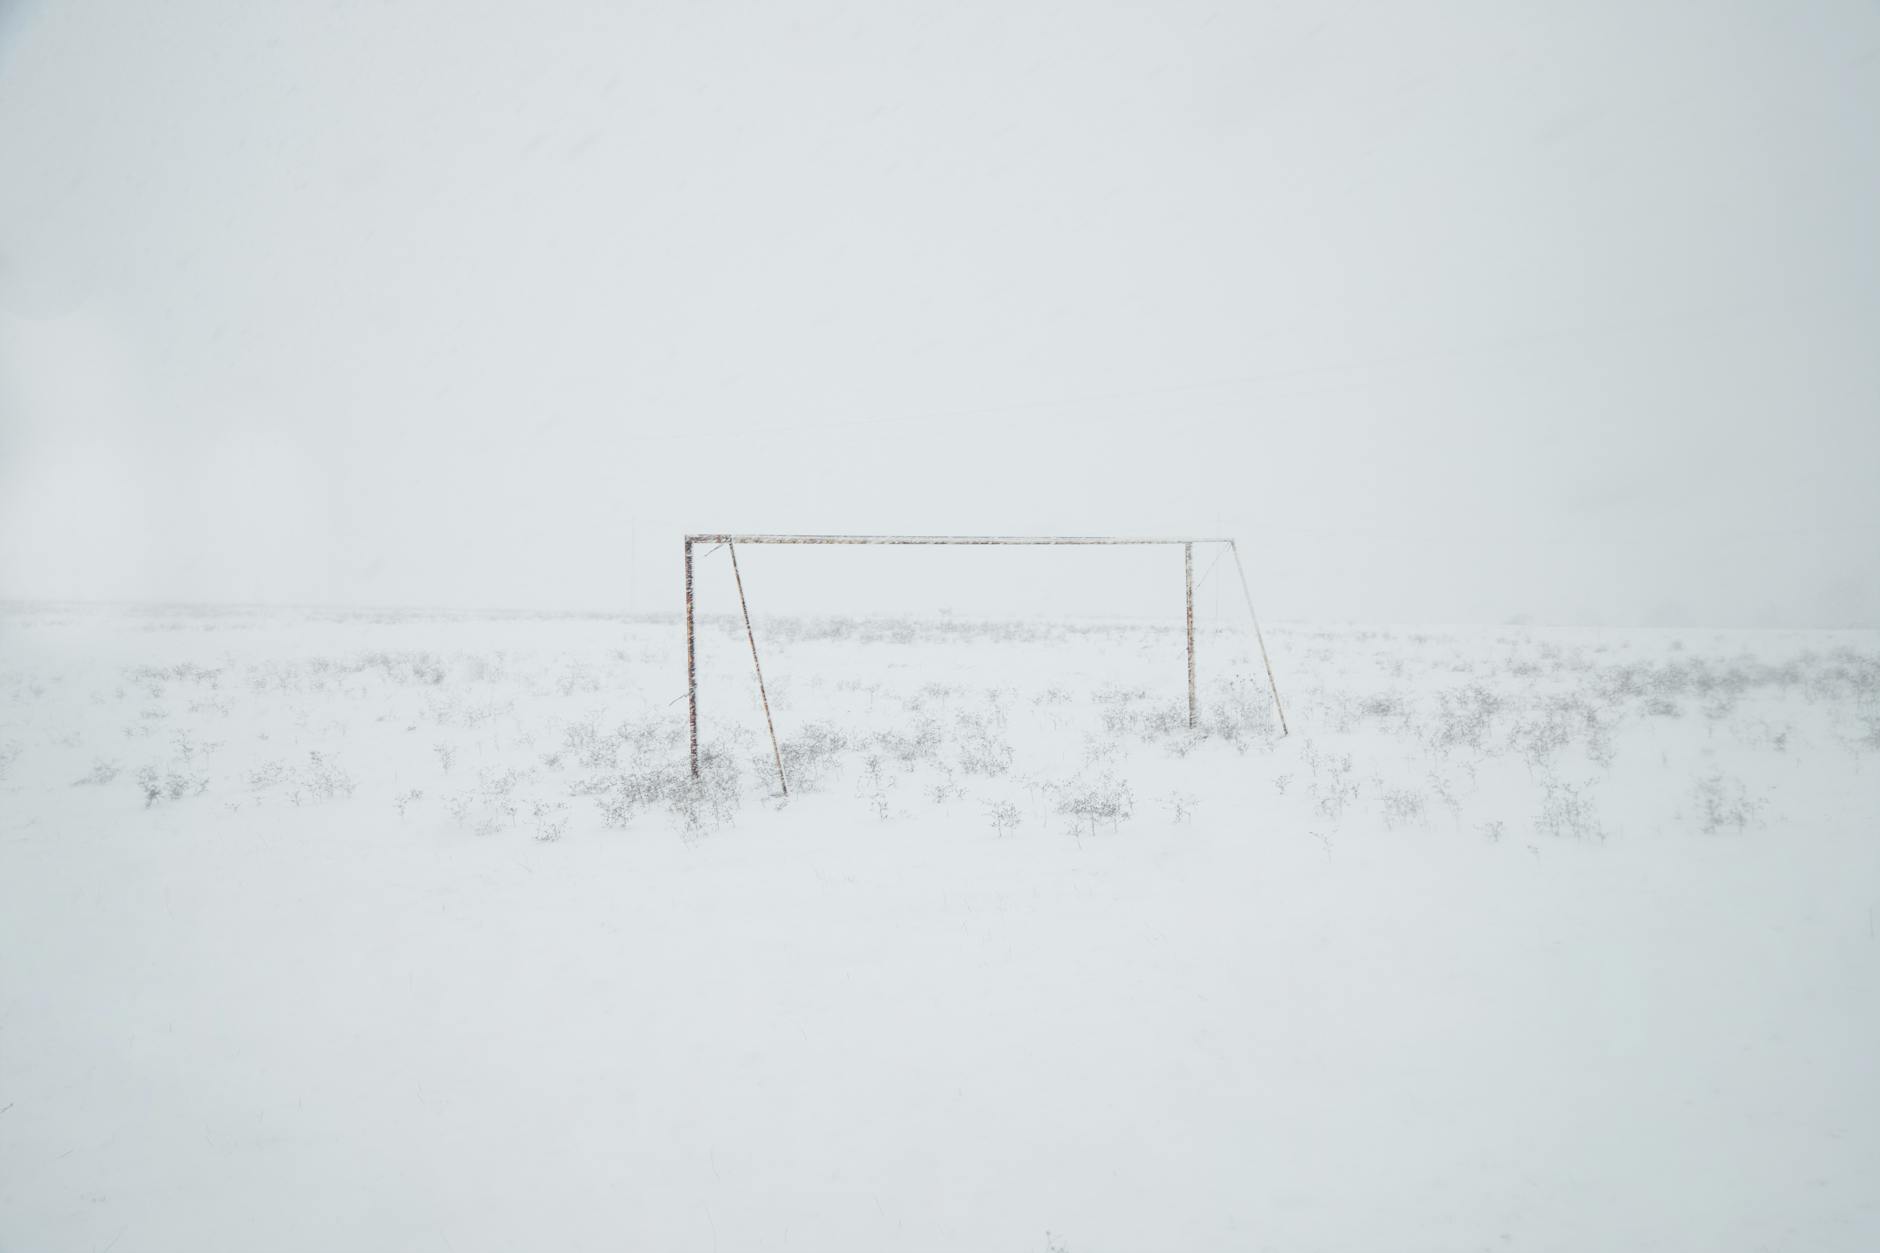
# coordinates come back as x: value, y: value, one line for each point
x: 731, y: 542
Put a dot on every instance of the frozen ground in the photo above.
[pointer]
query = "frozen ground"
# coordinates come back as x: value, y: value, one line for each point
x: 411, y: 933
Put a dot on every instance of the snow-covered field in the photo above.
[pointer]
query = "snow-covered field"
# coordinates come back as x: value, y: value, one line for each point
x: 411, y: 932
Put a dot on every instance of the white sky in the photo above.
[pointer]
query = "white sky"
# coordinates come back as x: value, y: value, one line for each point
x: 1452, y: 312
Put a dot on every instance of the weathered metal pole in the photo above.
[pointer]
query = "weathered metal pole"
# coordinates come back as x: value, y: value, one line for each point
x: 1187, y: 561
x: 758, y: 666
x: 691, y: 659
x: 1188, y: 569
x: 1271, y: 682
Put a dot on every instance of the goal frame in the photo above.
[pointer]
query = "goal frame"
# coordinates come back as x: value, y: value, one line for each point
x: 730, y: 542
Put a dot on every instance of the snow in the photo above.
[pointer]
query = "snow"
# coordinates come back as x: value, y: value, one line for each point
x: 1524, y: 939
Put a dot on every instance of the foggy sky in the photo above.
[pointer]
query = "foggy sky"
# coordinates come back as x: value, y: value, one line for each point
x: 1452, y: 312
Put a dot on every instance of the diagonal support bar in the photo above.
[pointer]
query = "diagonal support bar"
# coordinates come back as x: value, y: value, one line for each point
x: 758, y: 666
x: 1260, y: 638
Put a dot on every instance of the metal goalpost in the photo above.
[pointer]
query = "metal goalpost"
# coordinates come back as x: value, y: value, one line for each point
x: 731, y: 542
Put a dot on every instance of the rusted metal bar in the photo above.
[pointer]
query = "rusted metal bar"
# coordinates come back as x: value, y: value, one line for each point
x: 1259, y: 637
x: 1188, y: 569
x: 691, y: 659
x: 758, y: 666
x: 949, y: 539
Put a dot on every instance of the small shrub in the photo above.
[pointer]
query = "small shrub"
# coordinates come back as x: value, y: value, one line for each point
x: 1242, y: 716
x: 1446, y: 795
x: 268, y: 774
x: 1004, y: 817
x: 1870, y: 740
x: 1332, y: 785
x: 1722, y: 802
x: 180, y: 783
x: 102, y: 772
x: 323, y: 778
x: 150, y: 782
x: 912, y: 750
x: 584, y: 742
x: 1567, y: 811
x: 172, y: 785
x: 708, y: 801
x: 810, y: 755
x: 1402, y: 806
x: 551, y: 820
x: 1105, y: 799
x: 946, y: 789
x: 982, y: 751
x: 698, y: 804
x: 1466, y: 716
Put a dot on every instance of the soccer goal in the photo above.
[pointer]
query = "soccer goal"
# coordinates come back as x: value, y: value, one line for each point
x: 731, y: 542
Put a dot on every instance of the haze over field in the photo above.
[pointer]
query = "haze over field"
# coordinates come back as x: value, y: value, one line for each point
x: 1451, y: 312
x: 383, y: 867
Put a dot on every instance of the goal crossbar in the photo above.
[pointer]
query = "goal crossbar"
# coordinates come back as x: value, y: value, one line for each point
x: 946, y: 539
x: 725, y: 540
